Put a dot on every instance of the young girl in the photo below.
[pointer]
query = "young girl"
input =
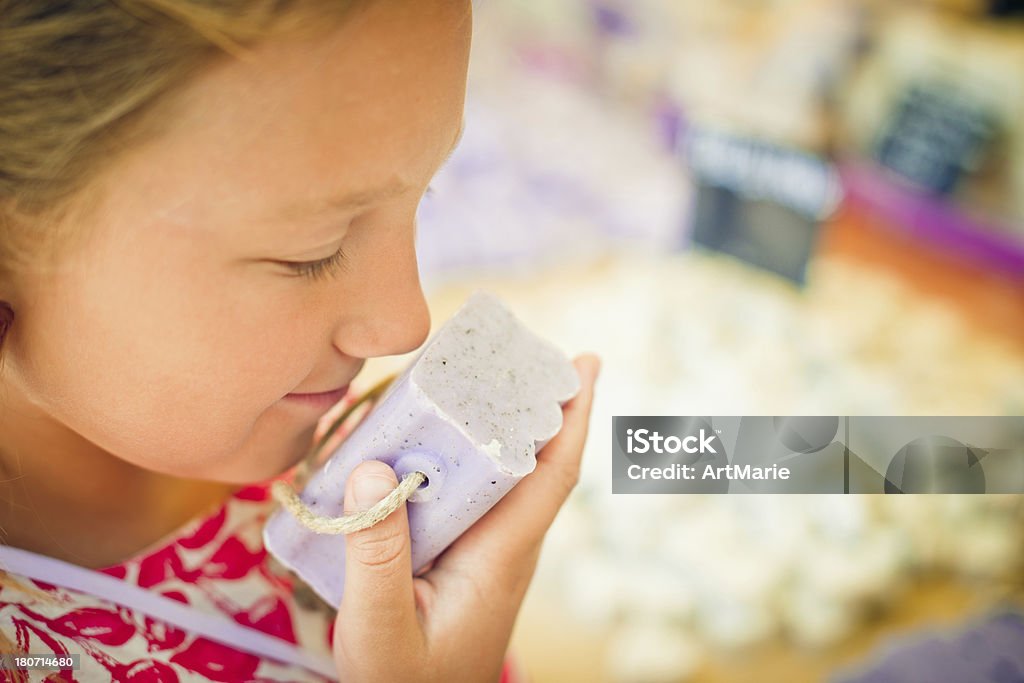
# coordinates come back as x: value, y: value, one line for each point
x: 207, y: 218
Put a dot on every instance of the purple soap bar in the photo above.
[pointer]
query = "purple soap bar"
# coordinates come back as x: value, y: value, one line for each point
x: 470, y: 412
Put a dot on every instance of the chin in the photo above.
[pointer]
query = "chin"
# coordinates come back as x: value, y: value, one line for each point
x: 272, y: 445
x: 273, y: 461
x: 265, y: 456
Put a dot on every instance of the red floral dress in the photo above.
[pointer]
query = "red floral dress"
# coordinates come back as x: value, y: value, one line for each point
x: 216, y: 564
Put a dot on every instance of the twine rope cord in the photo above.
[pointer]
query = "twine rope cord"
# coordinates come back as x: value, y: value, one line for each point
x: 350, y: 523
x: 285, y: 494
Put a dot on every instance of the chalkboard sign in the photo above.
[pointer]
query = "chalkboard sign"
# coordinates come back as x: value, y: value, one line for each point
x: 935, y: 135
x: 759, y: 202
x: 760, y: 232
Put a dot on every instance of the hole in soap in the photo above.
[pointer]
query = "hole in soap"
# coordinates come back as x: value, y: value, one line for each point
x: 426, y: 481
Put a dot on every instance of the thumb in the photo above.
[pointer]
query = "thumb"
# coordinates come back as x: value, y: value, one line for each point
x: 378, y: 564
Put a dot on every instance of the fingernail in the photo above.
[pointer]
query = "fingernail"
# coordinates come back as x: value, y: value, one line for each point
x: 370, y: 489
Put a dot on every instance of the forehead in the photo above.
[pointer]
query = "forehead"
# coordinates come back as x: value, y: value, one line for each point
x: 370, y: 106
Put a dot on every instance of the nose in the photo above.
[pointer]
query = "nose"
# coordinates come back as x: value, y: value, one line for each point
x: 386, y: 311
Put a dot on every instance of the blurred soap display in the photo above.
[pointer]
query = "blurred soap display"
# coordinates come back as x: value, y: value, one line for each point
x: 756, y: 207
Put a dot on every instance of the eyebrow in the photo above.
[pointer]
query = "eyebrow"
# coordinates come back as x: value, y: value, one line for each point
x: 357, y: 199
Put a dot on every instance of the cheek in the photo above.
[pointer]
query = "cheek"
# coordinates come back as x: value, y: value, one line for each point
x: 177, y: 379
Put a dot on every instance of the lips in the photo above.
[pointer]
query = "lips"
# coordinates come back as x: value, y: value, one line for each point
x: 322, y: 400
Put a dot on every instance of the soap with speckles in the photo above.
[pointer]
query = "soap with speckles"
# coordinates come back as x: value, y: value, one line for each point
x: 471, y: 411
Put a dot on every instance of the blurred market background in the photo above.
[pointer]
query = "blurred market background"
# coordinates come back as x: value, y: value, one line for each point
x: 756, y: 207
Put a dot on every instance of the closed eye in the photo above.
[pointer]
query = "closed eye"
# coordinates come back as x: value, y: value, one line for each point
x: 315, y: 270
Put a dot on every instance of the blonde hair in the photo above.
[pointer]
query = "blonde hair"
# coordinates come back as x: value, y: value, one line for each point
x: 82, y: 80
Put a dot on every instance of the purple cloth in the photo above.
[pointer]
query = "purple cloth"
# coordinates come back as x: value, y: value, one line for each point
x: 990, y: 651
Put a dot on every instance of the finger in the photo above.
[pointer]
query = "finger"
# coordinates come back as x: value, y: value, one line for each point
x: 378, y: 566
x: 515, y: 526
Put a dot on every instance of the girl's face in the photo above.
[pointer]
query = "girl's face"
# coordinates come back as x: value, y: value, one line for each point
x: 257, y: 251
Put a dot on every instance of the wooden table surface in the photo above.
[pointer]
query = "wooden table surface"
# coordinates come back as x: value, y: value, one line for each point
x: 993, y: 301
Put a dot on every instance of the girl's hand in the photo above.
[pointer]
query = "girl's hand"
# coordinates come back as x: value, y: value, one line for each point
x: 453, y: 621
